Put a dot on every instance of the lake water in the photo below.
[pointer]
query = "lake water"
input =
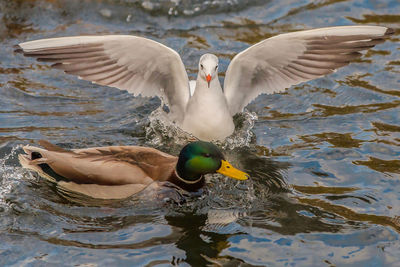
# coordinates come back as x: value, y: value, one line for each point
x: 323, y: 156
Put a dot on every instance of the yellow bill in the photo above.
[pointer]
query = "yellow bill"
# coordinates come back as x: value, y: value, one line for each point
x: 228, y: 170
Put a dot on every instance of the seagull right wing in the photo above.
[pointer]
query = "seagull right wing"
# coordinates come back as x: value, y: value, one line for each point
x: 279, y: 62
x: 136, y: 64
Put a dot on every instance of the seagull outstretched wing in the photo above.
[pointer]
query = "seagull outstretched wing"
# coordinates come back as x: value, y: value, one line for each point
x: 136, y: 64
x: 279, y: 62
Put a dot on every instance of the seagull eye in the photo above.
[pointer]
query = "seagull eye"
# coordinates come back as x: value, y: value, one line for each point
x: 201, y: 65
x: 216, y: 67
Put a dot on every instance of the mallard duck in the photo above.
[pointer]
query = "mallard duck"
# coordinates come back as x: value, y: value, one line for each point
x: 118, y: 172
x: 201, y: 107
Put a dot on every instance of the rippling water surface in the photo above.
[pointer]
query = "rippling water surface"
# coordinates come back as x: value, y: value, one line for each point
x: 323, y: 156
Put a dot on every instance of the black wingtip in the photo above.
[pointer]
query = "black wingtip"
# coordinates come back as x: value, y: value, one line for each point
x: 35, y: 155
x: 389, y: 31
x: 18, y: 49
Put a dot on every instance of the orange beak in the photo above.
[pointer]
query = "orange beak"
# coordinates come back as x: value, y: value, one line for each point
x: 208, y: 78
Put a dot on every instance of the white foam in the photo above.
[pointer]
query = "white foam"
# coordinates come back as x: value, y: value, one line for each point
x: 10, y: 174
x: 162, y: 131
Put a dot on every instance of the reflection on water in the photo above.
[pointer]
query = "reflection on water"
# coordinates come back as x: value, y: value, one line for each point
x: 323, y: 156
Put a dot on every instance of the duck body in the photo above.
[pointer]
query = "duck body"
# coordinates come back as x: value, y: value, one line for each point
x: 117, y: 172
x: 145, y: 67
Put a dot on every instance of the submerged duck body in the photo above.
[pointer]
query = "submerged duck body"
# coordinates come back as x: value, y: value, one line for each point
x: 118, y: 172
x: 148, y: 68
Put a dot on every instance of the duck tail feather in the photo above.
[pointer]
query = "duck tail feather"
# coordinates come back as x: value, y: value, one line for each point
x: 27, y: 163
x: 33, y: 156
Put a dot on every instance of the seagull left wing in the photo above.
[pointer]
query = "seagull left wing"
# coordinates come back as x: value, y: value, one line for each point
x: 136, y: 64
x: 277, y: 63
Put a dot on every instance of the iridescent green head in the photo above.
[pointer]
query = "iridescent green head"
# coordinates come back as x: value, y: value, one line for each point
x: 199, y: 158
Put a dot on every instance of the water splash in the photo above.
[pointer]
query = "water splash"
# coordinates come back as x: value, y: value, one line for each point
x: 243, y: 135
x: 161, y: 130
x: 10, y: 176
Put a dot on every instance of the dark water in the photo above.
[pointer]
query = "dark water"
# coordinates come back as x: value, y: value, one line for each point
x: 324, y: 156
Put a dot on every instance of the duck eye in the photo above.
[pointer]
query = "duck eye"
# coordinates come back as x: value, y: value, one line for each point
x: 201, y: 65
x: 207, y: 155
x: 216, y: 67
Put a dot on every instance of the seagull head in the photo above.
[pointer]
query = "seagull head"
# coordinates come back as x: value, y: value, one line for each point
x: 208, y: 67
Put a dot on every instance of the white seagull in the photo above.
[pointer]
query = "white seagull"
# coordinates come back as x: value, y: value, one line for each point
x: 145, y: 67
